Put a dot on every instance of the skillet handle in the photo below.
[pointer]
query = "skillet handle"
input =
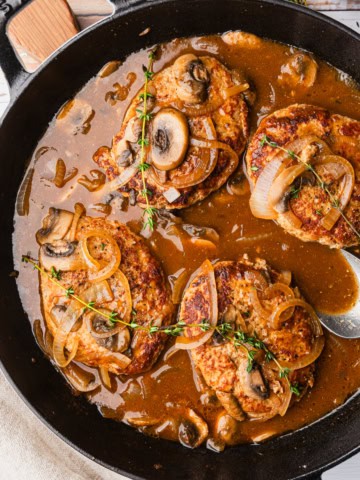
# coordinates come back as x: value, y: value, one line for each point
x: 14, y: 73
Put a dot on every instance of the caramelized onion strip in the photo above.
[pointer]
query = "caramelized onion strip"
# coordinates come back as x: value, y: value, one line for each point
x: 186, y: 343
x: 341, y: 168
x: 259, y: 200
x: 121, y: 277
x: 79, y: 210
x: 105, y: 377
x: 97, y: 293
x: 122, y: 179
x: 80, y: 379
x: 319, y: 340
x: 98, y: 274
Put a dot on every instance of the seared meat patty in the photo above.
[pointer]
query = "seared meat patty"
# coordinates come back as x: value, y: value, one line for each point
x: 211, y: 108
x: 247, y: 294
x: 150, y: 302
x: 307, y: 200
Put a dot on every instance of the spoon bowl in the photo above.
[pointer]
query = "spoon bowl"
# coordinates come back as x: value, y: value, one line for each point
x: 346, y: 324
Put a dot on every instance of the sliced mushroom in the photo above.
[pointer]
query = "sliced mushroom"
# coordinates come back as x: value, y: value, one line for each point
x: 116, y: 343
x: 226, y: 428
x: 169, y: 139
x: 55, y: 226
x: 76, y: 116
x: 126, y: 156
x: 143, y: 421
x: 192, y: 79
x: 193, y: 430
x: 231, y: 405
x: 62, y: 255
x: 299, y: 71
x: 57, y: 313
x: 253, y: 383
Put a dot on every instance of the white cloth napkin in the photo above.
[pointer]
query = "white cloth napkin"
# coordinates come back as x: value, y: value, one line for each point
x: 30, y: 451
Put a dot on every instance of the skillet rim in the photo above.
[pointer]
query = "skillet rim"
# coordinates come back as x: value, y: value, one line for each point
x: 19, y: 87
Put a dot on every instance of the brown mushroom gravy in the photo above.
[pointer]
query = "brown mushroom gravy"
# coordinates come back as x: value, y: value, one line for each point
x: 219, y: 227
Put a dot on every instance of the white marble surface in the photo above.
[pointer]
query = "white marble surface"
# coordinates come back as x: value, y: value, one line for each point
x: 15, y: 463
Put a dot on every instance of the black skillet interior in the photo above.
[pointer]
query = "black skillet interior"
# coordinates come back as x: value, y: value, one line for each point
x: 34, y: 101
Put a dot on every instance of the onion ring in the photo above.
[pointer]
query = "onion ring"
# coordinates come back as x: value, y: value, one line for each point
x: 186, y: 343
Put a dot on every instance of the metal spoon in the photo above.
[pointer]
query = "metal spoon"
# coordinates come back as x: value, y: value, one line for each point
x: 347, y: 324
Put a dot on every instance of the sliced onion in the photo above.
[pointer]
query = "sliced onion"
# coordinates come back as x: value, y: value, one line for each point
x: 61, y: 178
x: 120, y: 360
x: 123, y: 178
x: 23, y: 197
x: 60, y: 341
x: 286, y: 400
x: 255, y: 277
x: 97, y: 293
x: 183, y: 343
x: 89, y: 259
x: 179, y: 286
x: 235, y: 90
x: 110, y: 329
x: 259, y: 200
x: 119, y: 275
x: 105, y: 377
x: 296, y: 302
x: 60, y: 173
x: 97, y: 182
x: 292, y: 219
x: 143, y: 421
x: 80, y: 379
x: 283, y: 182
x: 98, y: 274
x: 285, y: 277
x: 289, y: 294
x: 79, y: 210
x: 273, y: 182
x: 279, y: 287
x: 171, y: 352
x: 343, y: 168
x: 258, y: 307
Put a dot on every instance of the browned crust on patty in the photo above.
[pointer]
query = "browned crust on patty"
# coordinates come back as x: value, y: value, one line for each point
x: 231, y: 124
x: 342, y: 135
x: 219, y: 363
x: 149, y: 290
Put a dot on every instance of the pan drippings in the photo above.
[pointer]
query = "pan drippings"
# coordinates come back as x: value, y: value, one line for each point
x: 169, y: 400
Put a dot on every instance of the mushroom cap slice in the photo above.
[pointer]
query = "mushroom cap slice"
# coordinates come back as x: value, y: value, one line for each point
x: 169, y: 139
x: 192, y: 79
x: 55, y: 226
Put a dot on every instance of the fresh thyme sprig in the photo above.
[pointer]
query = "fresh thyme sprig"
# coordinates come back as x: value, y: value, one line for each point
x: 145, y: 117
x: 238, y: 337
x: 241, y: 339
x: 334, y: 201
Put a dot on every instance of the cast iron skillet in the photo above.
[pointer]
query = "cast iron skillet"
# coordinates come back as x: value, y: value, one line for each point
x: 34, y: 100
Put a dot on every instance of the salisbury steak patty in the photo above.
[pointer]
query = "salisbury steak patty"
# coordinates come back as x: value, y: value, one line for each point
x: 136, y: 292
x: 201, y: 98
x: 248, y: 297
x: 306, y: 199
